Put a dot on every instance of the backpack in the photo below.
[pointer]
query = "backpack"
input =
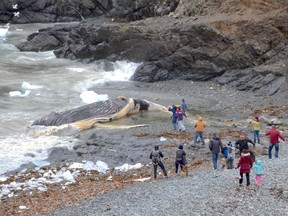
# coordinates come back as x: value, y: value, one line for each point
x: 225, y: 152
x: 155, y: 156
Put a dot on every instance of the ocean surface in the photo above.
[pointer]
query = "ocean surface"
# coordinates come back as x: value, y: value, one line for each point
x: 33, y: 84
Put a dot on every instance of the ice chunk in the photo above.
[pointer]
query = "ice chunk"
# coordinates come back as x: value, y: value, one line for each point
x: 68, y: 176
x: 102, y: 166
x: 126, y: 167
x: 23, y: 207
x: 42, y: 188
x: 3, y: 178
x: 28, y: 86
x: 41, y: 163
x: 19, y: 94
x: 91, y: 97
x: 89, y: 165
x: 142, y: 179
x: 162, y: 138
x: 76, y: 166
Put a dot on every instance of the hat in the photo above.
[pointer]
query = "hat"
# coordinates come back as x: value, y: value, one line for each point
x: 180, y: 146
x: 245, y: 151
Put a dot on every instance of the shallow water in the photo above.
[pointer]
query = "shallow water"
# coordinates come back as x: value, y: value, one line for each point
x: 53, y: 85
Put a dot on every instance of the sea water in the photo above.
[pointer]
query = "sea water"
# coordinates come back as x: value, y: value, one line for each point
x: 33, y: 84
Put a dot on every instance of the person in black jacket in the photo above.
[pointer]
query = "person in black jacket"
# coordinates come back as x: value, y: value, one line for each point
x: 180, y: 159
x: 242, y: 143
x: 215, y: 146
x: 156, y: 156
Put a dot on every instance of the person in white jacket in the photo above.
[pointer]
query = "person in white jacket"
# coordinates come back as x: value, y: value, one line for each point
x: 231, y: 156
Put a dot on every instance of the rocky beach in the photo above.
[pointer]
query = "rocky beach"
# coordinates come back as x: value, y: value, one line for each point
x: 226, y: 112
x: 227, y: 59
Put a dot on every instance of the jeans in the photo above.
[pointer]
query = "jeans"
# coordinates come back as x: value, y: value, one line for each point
x: 214, y: 158
x: 201, y: 137
x: 155, y: 165
x: 247, y: 178
x: 174, y: 123
x: 276, y: 150
x: 256, y: 135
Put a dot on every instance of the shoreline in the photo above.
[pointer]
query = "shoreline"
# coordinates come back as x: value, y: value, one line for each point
x: 134, y: 145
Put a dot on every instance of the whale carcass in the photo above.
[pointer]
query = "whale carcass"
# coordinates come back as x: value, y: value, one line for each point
x: 102, y: 111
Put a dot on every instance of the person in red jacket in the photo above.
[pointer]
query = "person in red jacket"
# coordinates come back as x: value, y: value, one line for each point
x: 245, y: 163
x: 274, y: 141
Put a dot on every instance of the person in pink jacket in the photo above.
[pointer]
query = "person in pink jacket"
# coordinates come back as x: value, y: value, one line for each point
x: 245, y: 163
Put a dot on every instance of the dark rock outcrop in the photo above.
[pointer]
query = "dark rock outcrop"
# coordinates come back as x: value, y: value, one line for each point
x: 244, y: 53
x: 75, y: 10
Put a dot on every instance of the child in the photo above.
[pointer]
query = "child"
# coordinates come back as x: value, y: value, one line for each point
x: 231, y: 155
x: 258, y: 170
x: 245, y: 163
x: 156, y: 156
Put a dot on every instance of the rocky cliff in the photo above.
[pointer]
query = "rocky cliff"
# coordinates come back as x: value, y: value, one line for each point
x: 75, y: 10
x: 242, y: 44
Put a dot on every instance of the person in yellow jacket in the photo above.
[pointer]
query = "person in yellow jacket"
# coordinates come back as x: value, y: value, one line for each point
x: 199, y: 127
x: 256, y: 126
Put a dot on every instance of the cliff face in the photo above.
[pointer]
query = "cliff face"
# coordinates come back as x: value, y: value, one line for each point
x: 243, y: 44
x: 75, y: 10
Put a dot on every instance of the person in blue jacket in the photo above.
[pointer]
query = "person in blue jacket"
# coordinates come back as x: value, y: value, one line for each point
x: 258, y: 171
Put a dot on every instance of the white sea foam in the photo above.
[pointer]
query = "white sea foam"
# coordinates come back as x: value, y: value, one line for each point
x: 4, y: 31
x: 22, y: 149
x: 116, y: 72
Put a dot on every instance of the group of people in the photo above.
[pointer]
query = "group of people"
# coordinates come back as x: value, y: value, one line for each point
x: 178, y: 114
x: 247, y: 157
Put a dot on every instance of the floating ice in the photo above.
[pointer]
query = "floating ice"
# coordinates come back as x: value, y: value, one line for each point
x: 91, y: 97
x: 162, y: 139
x: 27, y: 85
x: 19, y: 94
x: 41, y: 163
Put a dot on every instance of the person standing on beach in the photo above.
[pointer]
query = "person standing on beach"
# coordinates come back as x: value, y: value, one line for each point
x: 199, y: 127
x: 180, y: 115
x: 256, y: 129
x: 215, y: 146
x: 184, y: 106
x: 231, y: 156
x: 245, y: 163
x: 180, y: 159
x: 156, y: 156
x: 274, y: 141
x: 258, y: 172
x: 242, y: 143
x: 173, y: 109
